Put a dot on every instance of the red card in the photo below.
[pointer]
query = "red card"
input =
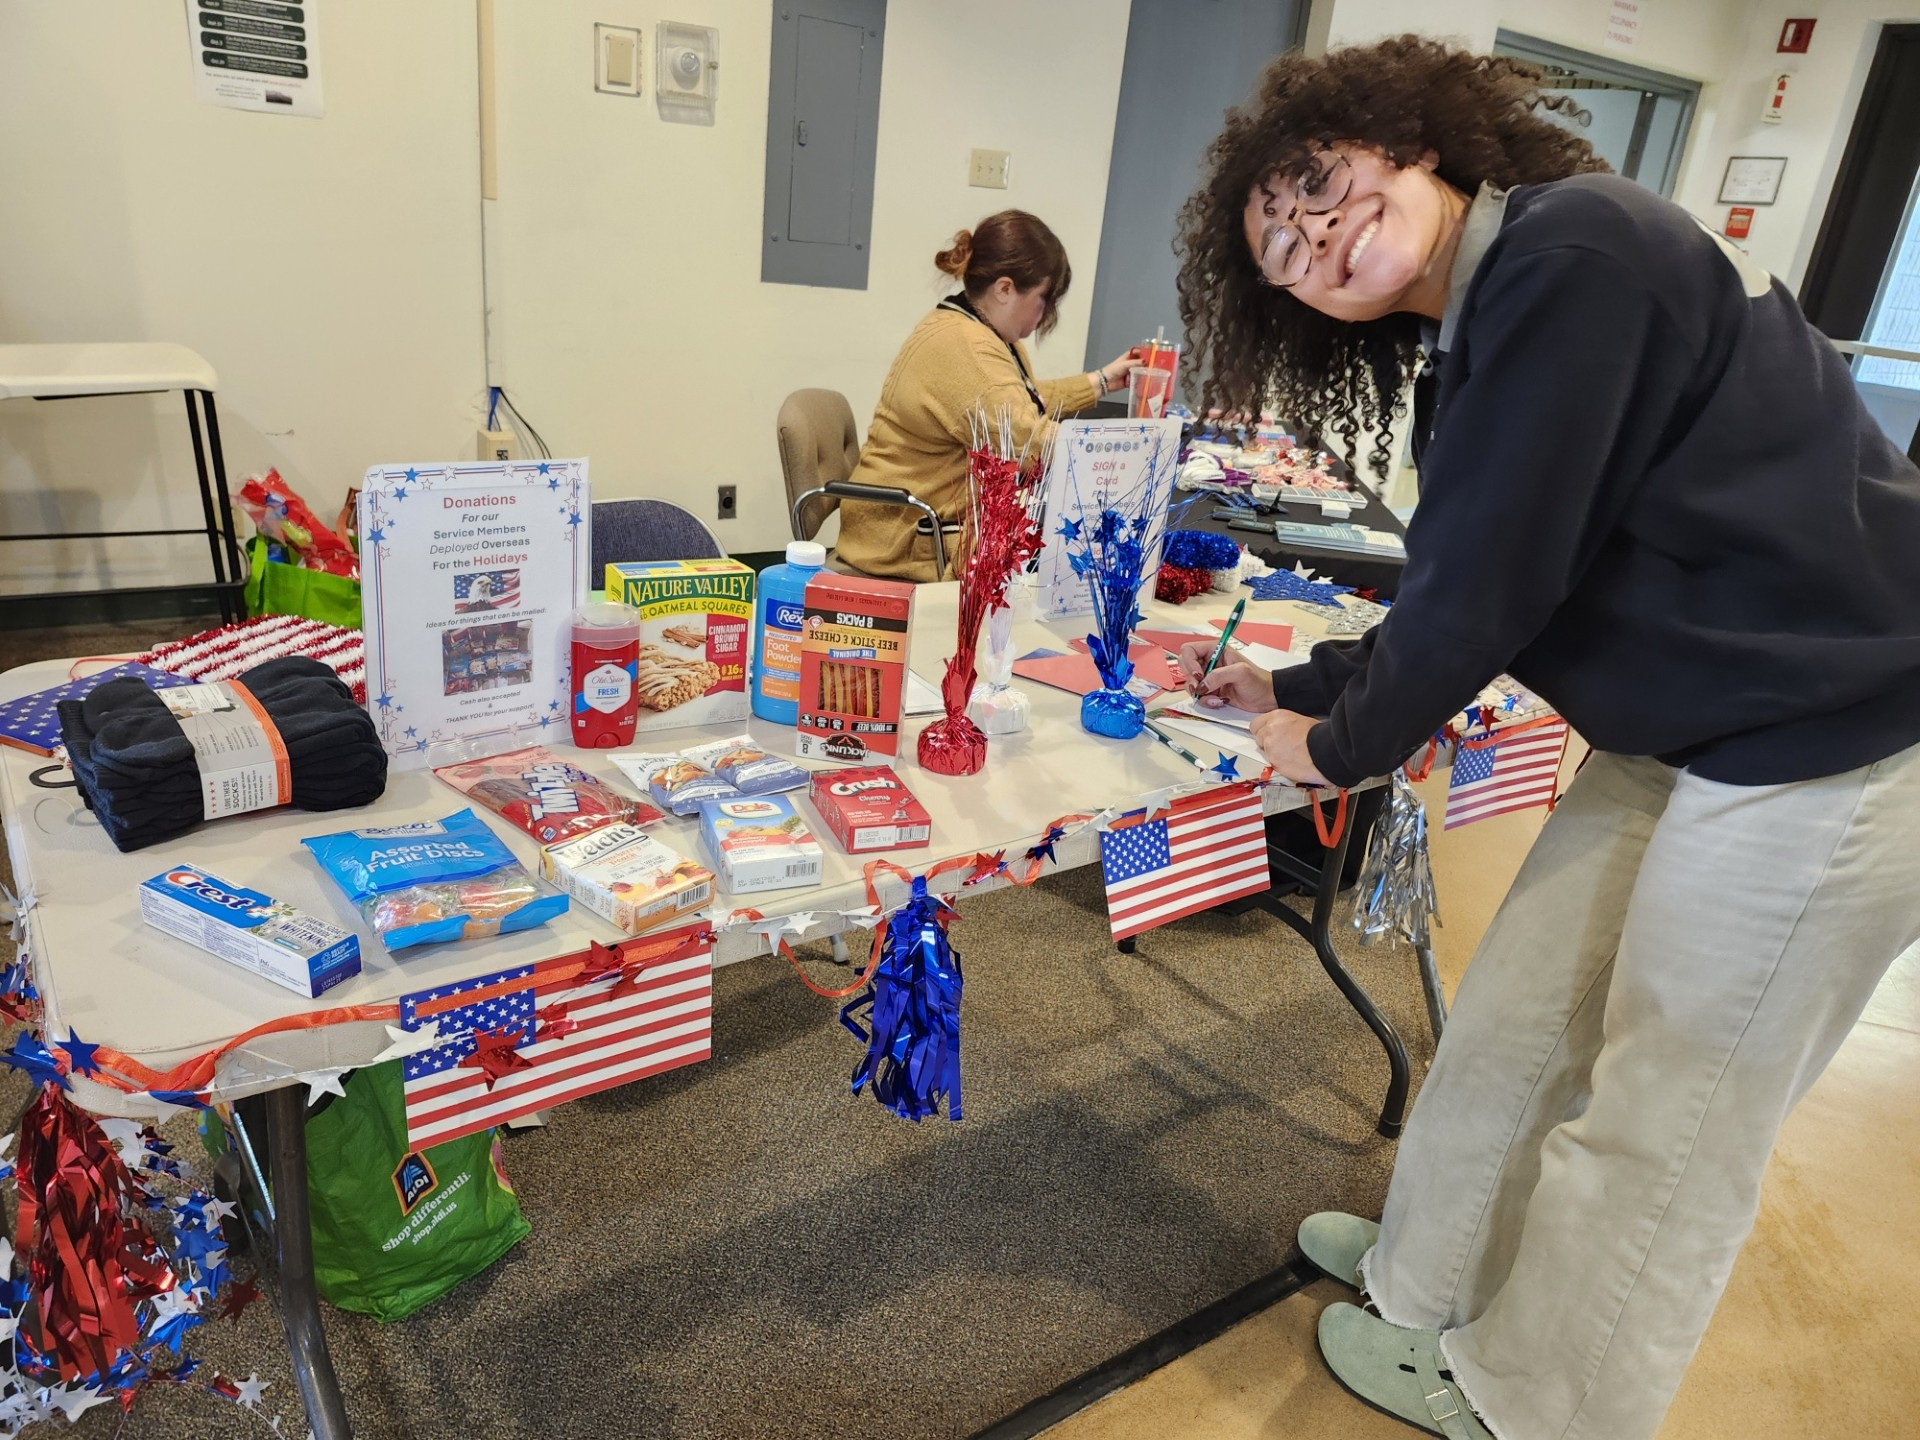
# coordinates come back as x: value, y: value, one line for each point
x: 1075, y: 673
x: 1260, y: 632
x: 1150, y: 662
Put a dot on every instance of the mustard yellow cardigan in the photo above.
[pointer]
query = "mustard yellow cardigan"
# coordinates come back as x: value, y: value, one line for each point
x: 951, y: 365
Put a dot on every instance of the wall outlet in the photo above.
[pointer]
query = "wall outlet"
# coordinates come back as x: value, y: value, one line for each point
x: 497, y: 445
x: 729, y: 506
x: 988, y: 169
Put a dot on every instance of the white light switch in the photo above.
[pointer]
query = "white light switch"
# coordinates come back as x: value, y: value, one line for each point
x: 988, y: 169
x: 616, y: 60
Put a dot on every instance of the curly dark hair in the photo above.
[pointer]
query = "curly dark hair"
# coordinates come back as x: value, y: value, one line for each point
x: 1254, y: 345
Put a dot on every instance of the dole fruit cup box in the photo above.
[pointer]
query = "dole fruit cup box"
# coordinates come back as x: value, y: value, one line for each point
x: 694, y: 638
x: 869, y: 809
x: 623, y: 874
x: 853, y: 666
x: 759, y: 843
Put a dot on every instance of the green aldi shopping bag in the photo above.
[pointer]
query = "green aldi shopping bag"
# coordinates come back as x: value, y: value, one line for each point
x: 394, y: 1228
x: 276, y: 588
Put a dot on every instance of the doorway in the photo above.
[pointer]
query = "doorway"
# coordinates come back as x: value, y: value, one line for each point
x: 1862, y: 287
x: 1188, y: 62
x: 1636, y: 119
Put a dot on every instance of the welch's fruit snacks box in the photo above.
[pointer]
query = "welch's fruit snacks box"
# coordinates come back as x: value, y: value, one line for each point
x: 254, y: 931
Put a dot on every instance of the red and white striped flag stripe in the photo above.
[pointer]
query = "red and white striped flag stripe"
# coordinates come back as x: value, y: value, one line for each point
x: 1209, y: 848
x: 660, y: 1022
x: 1515, y: 774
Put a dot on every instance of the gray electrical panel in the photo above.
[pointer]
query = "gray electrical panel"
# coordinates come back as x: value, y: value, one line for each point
x: 823, y: 113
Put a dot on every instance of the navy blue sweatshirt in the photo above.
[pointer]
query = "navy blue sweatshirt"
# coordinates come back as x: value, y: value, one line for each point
x: 1652, y: 495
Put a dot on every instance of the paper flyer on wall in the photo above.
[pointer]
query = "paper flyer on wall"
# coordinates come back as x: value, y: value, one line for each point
x: 1097, y: 463
x: 469, y: 577
x: 256, y: 55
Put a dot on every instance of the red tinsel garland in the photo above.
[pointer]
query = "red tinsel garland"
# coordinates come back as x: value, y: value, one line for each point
x: 999, y: 538
x: 88, y: 1261
x: 1178, y: 584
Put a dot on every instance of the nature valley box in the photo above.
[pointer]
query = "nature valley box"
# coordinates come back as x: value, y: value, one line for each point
x: 694, y: 638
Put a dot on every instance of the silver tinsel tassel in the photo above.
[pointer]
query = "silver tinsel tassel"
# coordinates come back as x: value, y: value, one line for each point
x: 1395, y: 895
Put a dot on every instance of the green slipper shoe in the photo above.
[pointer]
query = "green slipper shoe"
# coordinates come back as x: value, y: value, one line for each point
x: 1399, y: 1371
x: 1335, y: 1242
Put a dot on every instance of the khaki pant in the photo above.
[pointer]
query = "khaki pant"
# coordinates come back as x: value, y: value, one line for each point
x: 1676, y: 963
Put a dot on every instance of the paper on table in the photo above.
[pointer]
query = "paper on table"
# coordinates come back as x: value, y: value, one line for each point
x: 922, y: 698
x: 1076, y: 674
x: 1221, y: 737
x: 1150, y: 662
x: 1231, y: 715
x: 1259, y: 632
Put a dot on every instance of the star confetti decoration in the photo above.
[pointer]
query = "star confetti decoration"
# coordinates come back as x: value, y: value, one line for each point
x: 554, y: 1024
x: 1227, y: 767
x: 79, y: 1054
x: 1044, y: 850
x: 34, y: 1061
x: 603, y: 961
x: 326, y: 1082
x: 251, y: 1390
x: 494, y: 1054
x: 985, y: 867
x: 240, y: 1294
x: 1287, y: 585
x: 409, y: 1042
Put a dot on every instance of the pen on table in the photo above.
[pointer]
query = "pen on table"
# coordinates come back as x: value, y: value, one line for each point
x: 1226, y: 634
x: 1174, y: 745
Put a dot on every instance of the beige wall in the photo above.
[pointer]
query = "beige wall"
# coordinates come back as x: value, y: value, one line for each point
x: 636, y: 329
x: 330, y: 269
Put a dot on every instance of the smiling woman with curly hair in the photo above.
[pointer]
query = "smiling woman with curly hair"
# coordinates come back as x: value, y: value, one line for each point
x: 1650, y: 493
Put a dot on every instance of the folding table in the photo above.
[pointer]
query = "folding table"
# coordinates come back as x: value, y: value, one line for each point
x: 115, y: 981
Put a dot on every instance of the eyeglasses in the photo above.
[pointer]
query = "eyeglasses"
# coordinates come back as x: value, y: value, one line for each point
x: 1324, y: 186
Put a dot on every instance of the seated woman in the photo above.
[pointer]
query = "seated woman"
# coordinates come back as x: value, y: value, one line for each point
x: 964, y: 358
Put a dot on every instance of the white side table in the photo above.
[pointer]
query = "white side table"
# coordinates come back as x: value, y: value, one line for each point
x: 67, y: 372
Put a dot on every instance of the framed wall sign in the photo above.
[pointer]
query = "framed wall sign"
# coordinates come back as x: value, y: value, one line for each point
x: 1752, y: 179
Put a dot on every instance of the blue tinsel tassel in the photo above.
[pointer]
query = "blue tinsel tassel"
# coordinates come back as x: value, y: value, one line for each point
x: 913, y: 1005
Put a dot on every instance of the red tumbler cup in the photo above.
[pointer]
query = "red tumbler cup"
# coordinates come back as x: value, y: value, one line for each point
x: 606, y: 652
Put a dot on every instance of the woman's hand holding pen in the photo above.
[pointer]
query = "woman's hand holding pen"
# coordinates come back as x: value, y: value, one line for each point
x: 1246, y: 686
x: 1280, y: 734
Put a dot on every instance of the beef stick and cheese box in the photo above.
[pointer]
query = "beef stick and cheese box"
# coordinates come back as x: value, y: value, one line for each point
x: 869, y: 809
x: 853, y: 666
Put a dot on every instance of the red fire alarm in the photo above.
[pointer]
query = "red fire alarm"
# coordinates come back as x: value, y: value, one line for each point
x: 1794, y: 35
x: 1739, y: 222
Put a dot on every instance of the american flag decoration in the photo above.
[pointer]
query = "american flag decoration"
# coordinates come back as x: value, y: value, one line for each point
x: 536, y: 1036
x: 32, y: 723
x: 235, y: 649
x: 487, y: 590
x: 1207, y: 849
x: 1516, y: 773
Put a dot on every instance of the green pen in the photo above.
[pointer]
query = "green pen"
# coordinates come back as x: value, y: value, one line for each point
x: 1226, y: 634
x: 1174, y: 745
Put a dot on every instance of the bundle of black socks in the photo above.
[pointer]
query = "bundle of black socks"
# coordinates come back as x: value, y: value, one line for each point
x: 137, y: 771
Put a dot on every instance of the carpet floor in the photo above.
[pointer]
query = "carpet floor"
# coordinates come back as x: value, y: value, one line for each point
x: 741, y: 1249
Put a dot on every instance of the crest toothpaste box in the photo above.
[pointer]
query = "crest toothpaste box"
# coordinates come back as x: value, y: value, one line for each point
x: 254, y: 931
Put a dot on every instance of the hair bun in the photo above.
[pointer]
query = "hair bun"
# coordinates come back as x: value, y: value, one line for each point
x: 953, y: 260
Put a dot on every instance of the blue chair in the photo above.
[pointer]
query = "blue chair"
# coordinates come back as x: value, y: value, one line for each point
x: 648, y: 530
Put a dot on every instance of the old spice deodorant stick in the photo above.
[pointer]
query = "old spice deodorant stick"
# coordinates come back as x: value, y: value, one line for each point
x: 606, y: 649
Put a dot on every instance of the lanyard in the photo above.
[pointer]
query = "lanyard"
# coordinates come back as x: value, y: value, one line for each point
x: 960, y: 306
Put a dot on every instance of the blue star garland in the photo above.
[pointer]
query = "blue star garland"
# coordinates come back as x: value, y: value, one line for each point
x: 1285, y: 585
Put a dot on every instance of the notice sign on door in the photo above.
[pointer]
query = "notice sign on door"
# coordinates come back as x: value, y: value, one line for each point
x: 1625, y: 19
x: 256, y: 55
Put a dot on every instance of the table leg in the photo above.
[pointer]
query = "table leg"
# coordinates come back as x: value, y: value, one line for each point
x: 216, y: 537
x: 299, y: 1300
x: 1436, y: 997
x: 1326, y: 882
x: 226, y: 501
